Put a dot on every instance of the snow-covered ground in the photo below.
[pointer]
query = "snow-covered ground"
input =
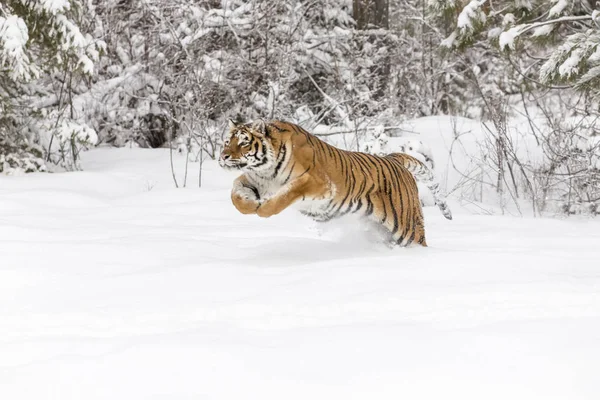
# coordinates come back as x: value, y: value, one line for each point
x: 116, y: 286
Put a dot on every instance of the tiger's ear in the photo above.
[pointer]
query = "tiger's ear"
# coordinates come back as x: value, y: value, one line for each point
x: 232, y: 125
x: 260, y: 127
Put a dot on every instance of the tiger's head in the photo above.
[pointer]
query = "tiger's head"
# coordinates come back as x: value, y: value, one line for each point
x: 247, y: 147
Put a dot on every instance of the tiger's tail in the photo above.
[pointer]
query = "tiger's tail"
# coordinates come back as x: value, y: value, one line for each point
x: 424, y: 175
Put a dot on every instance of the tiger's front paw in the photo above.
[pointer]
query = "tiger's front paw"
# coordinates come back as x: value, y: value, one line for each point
x: 267, y: 209
x: 244, y: 204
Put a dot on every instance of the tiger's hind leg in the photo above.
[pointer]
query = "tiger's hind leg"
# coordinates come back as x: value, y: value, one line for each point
x: 419, y: 228
x: 415, y: 233
x: 402, y: 228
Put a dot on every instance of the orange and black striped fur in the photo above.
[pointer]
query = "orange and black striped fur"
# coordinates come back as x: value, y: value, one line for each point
x: 282, y: 164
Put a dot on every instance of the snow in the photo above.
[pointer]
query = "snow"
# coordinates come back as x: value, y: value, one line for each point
x: 409, y: 144
x: 558, y: 8
x: 55, y: 6
x: 543, y: 30
x: 14, y: 36
x: 471, y: 13
x: 507, y: 38
x: 13, y: 39
x: 494, y: 33
x: 71, y: 35
x: 571, y: 65
x: 450, y: 40
x: 456, y: 147
x: 592, y: 73
x: 574, y: 48
x: 87, y: 65
x: 114, y: 285
x: 526, y: 4
x: 81, y: 133
x: 509, y: 19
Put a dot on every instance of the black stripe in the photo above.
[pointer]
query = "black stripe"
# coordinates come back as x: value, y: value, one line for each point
x: 307, y: 169
x: 254, y: 190
x: 369, y: 206
x: 358, y: 205
x: 290, y: 174
x: 397, y: 190
x: 282, y: 153
x: 369, y: 210
x: 400, y: 239
x: 412, y: 237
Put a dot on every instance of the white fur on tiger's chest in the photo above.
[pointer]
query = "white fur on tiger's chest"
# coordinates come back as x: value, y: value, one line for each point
x: 265, y: 187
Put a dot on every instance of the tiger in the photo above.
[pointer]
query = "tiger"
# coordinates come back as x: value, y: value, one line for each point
x: 283, y: 164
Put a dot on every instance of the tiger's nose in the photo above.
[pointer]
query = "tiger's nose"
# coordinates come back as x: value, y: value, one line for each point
x: 225, y: 157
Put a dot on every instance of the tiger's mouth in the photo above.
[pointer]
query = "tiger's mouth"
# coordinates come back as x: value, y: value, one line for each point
x: 231, y: 164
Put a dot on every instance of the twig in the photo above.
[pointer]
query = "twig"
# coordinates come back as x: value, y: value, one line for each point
x: 171, y: 160
x: 385, y: 129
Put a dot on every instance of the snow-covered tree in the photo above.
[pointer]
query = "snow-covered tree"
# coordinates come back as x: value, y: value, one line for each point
x: 561, y: 36
x: 548, y: 49
x: 206, y: 62
x: 41, y: 43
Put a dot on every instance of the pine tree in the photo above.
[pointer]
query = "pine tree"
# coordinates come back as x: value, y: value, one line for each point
x: 37, y: 40
x: 552, y: 46
x: 569, y: 29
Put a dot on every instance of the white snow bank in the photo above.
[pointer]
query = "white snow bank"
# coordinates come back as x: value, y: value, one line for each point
x: 114, y: 285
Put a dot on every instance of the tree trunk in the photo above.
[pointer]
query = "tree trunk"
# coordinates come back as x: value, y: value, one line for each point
x: 374, y: 14
x: 371, y: 13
